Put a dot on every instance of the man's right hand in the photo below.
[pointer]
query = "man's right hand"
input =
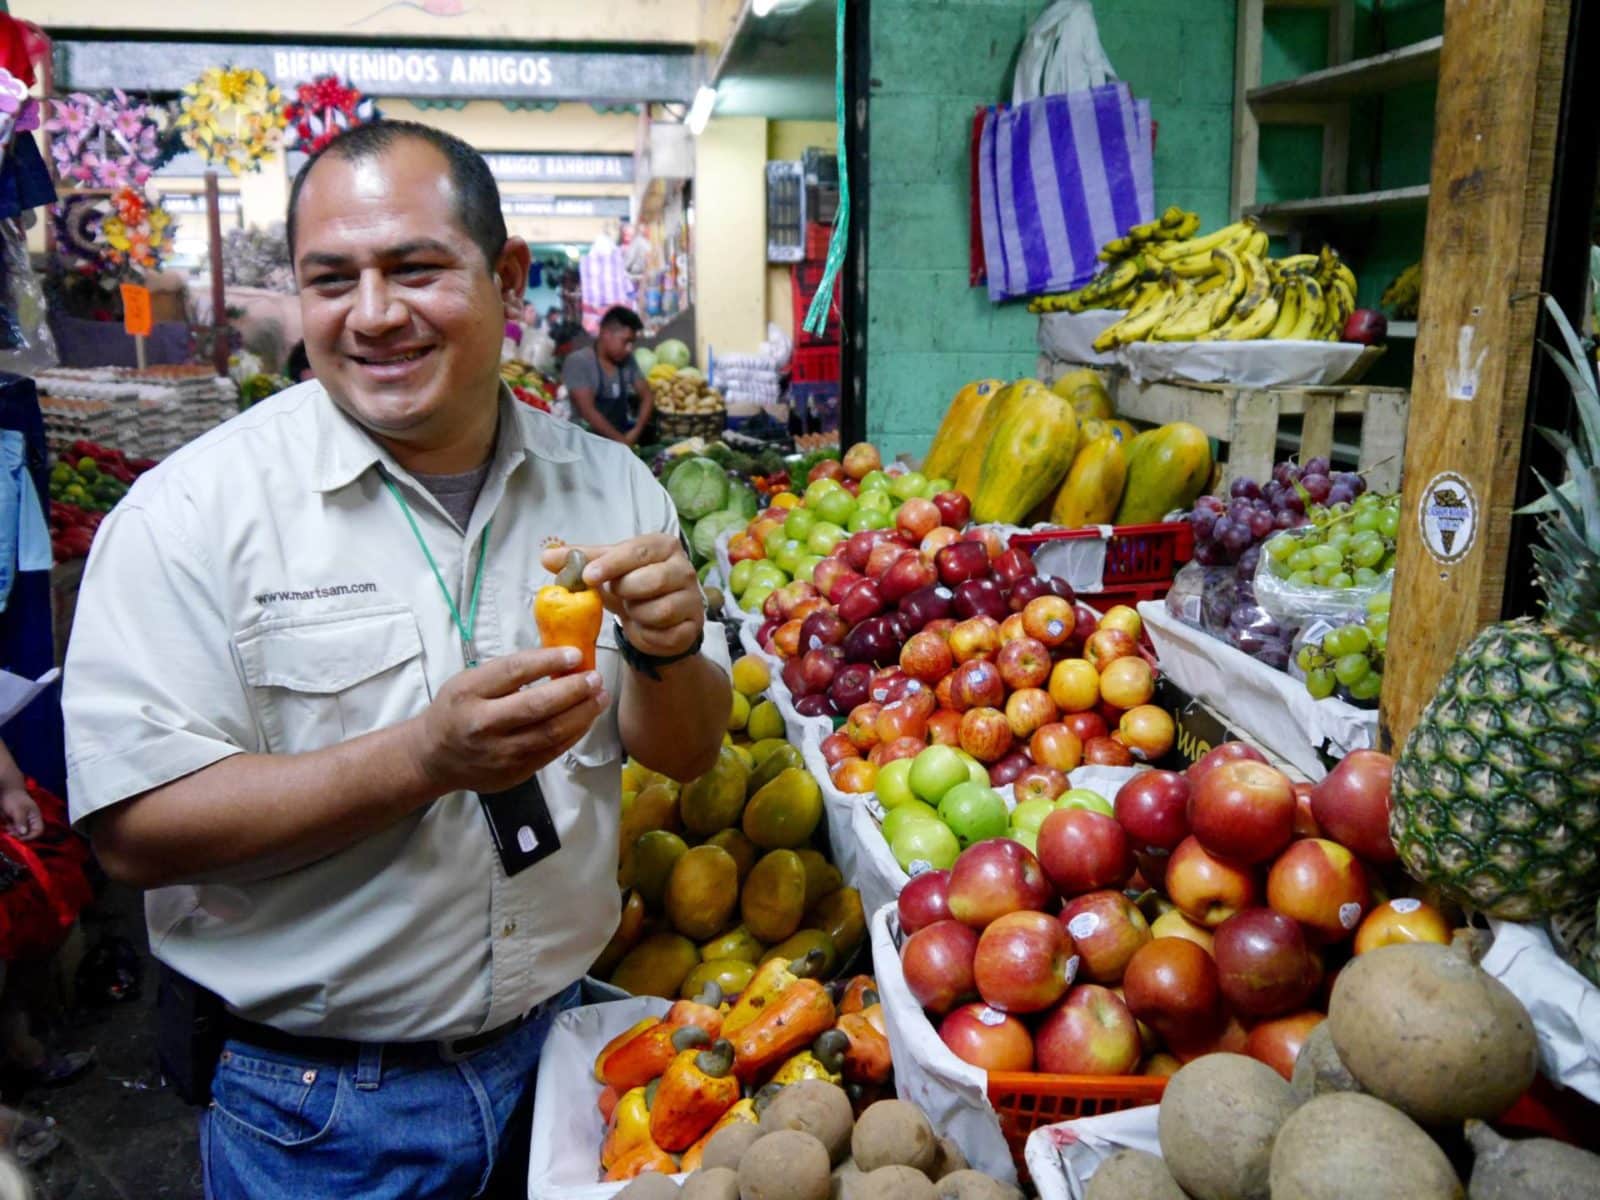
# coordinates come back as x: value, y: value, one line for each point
x: 487, y: 730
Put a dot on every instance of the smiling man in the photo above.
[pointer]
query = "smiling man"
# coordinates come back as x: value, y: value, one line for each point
x: 307, y: 706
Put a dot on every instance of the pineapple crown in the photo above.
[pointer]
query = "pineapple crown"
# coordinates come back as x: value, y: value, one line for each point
x: 1569, y: 561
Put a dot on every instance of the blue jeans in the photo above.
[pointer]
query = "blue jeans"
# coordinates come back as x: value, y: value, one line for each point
x: 279, y: 1126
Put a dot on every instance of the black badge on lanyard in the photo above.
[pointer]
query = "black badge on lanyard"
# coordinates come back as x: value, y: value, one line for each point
x: 519, y: 821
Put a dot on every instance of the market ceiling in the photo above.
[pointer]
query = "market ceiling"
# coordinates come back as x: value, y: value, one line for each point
x: 436, y: 72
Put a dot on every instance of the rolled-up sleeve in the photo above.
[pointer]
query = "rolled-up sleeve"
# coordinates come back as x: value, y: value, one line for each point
x: 150, y: 689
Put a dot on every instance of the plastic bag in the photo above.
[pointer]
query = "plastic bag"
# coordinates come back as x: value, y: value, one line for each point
x: 1297, y: 604
x: 1062, y: 53
x: 1257, y: 632
x: 26, y: 344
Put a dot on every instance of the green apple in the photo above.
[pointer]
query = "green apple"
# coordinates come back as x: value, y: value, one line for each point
x: 935, y: 771
x: 788, y: 554
x: 768, y: 574
x: 904, y: 487
x: 1030, y: 840
x: 820, y: 488
x: 907, y: 813
x: 799, y: 523
x: 878, y: 518
x: 875, y: 481
x: 1084, y: 798
x: 836, y: 506
x: 924, y: 842
x: 755, y: 596
x: 976, y: 771
x: 1028, y: 815
x: 808, y: 564
x: 862, y: 519
x: 774, y: 538
x: 739, y: 577
x: 893, y: 784
x: 935, y: 486
x: 878, y: 498
x: 974, y: 812
x: 825, y: 535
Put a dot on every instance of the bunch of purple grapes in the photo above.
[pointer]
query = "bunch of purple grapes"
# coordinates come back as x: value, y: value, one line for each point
x: 1231, y: 531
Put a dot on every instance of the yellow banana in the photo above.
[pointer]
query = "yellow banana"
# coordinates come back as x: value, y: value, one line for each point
x: 1136, y: 326
x: 1186, y: 227
x: 1313, y: 310
x: 1259, y: 321
x: 1256, y: 244
x: 1289, y: 309
x: 1209, y: 284
x: 1169, y: 252
x: 1116, y: 248
x: 1236, y: 273
x: 1297, y: 262
x: 1189, y: 318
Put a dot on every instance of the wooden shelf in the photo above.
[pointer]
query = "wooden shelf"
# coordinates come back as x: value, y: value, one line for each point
x: 1404, y: 330
x: 1355, y: 205
x: 1363, y: 77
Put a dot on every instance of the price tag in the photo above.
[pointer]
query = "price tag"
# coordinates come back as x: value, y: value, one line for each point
x: 136, y: 316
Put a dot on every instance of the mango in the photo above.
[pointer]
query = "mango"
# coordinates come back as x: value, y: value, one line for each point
x: 822, y: 877
x: 760, y: 750
x: 751, y: 676
x: 742, y: 753
x: 972, y: 455
x: 960, y: 423
x: 730, y: 974
x: 714, y: 801
x: 801, y: 944
x: 738, y: 712
x: 738, y: 943
x: 765, y: 722
x: 702, y: 892
x: 784, y: 813
x: 777, y: 761
x: 654, y: 856
x: 1167, y: 468
x: 774, y: 897
x: 744, y: 851
x: 629, y: 929
x: 1093, y: 487
x: 657, y: 966
x: 1031, y: 445
x: 1085, y: 390
x: 840, y: 916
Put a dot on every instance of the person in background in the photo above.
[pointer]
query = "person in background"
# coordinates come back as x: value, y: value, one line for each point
x: 607, y: 388
x: 552, y: 319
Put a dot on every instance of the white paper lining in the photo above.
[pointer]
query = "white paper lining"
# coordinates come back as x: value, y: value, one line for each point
x: 1565, y: 1006
x: 1258, y: 364
x: 1069, y: 337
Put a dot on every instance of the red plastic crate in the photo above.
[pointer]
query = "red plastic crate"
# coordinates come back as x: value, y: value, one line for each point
x: 1025, y: 1101
x: 1135, y: 554
x: 815, y: 364
x: 804, y: 281
x: 818, y: 238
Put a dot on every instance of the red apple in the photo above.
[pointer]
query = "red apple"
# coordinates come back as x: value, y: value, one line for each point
x: 1243, y: 811
x: 1028, y: 589
x: 905, y: 575
x: 1278, y: 1043
x: 1087, y: 725
x: 862, y: 726
x: 1148, y: 730
x: 976, y: 637
x: 1083, y: 851
x: 786, y: 639
x: 924, y: 900
x: 1090, y: 1033
x: 1305, y: 821
x: 885, y: 753
x: 1209, y: 890
x: 935, y: 540
x: 993, y: 878
x: 944, y: 728
x: 1015, y: 564
x: 988, y: 1038
x: 1050, y: 620
x: 985, y: 734
x: 937, y: 961
x: 1108, y: 930
x: 1367, y: 326
x: 927, y: 657
x: 976, y: 683
x: 862, y: 459
x: 1028, y: 711
x: 1171, y: 985
x: 1352, y: 805
x: 883, y: 684
x: 808, y: 608
x: 1227, y: 752
x: 1039, y: 782
x: 1153, y: 807
x: 1055, y: 745
x: 861, y: 600
x: 902, y: 719
x: 1107, y: 752
x: 855, y: 776
x: 817, y: 669
x: 961, y: 561
x: 1152, y: 868
x: 989, y: 538
x: 916, y: 518
x: 1322, y: 885
x: 927, y: 606
x: 850, y: 686
x: 828, y: 468
x: 1105, y: 646
x: 1024, y: 662
x: 883, y: 556
x: 838, y: 746
x: 1025, y: 962
x: 1008, y: 767
x: 824, y: 628
x: 791, y: 595
x: 981, y: 598
x: 955, y: 510
x: 857, y: 549
x: 1265, y: 967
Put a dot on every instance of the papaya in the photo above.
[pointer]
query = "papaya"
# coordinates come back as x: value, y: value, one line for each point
x: 955, y: 431
x: 822, y: 877
x: 1093, y: 487
x: 777, y: 761
x: 657, y: 966
x: 744, y: 851
x: 702, y: 892
x: 972, y: 453
x: 1034, y: 439
x: 732, y: 975
x: 801, y: 943
x: 774, y: 897
x: 1085, y: 390
x: 1167, y: 468
x: 840, y: 915
x: 737, y: 943
x: 714, y: 801
x: 654, y: 856
x: 630, y: 927
x: 1122, y: 430
x: 784, y: 813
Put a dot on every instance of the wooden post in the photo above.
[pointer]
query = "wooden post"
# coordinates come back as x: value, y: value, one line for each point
x: 1500, y: 81
x: 219, y: 299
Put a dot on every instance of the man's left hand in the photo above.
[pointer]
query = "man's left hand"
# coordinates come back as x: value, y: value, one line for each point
x: 650, y: 584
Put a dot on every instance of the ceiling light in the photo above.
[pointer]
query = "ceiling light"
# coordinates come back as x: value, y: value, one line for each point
x: 762, y: 7
x: 700, y: 111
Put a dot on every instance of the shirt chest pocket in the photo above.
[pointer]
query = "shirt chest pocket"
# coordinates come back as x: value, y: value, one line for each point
x: 318, y: 681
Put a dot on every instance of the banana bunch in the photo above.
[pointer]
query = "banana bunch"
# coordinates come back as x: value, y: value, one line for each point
x: 1127, y: 263
x: 1402, y: 296
x: 1222, y: 287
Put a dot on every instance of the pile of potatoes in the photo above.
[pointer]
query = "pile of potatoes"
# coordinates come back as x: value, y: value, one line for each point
x: 810, y: 1146
x: 1388, y: 1102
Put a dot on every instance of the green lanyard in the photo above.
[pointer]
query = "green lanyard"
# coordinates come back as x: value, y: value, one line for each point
x: 466, y: 628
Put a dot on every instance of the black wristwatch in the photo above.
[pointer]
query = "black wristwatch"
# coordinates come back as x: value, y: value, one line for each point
x: 649, y: 664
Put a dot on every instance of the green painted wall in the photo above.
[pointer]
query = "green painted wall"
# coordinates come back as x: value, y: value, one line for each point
x: 933, y: 62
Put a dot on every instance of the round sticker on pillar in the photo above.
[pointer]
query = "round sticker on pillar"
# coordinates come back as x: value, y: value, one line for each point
x: 1448, y: 516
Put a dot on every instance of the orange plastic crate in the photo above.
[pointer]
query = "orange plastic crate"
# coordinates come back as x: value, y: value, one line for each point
x: 1026, y: 1101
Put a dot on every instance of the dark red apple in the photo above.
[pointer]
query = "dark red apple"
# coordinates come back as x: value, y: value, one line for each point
x: 1108, y: 930
x: 955, y: 510
x: 1227, y: 752
x: 961, y: 561
x: 817, y: 669
x: 1171, y: 985
x: 1265, y: 967
x: 924, y: 900
x: 860, y: 601
x: 905, y: 575
x: 793, y: 676
x: 1008, y: 768
x: 849, y: 686
x: 816, y: 704
x: 988, y: 1038
x: 937, y: 961
x: 1243, y: 811
x: 1025, y: 962
x: 1091, y: 1032
x: 980, y: 598
x: 1352, y: 805
x: 1083, y: 851
x: 825, y: 628
x: 993, y: 878
x: 1367, y: 326
x: 1015, y: 564
x: 1026, y: 590
x: 883, y: 683
x: 871, y: 643
x: 857, y: 549
x: 1153, y: 807
x: 926, y: 605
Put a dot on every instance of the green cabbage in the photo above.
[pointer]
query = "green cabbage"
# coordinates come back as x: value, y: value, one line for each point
x: 674, y: 353
x: 697, y: 486
x: 644, y: 358
x: 742, y: 499
x: 709, y: 529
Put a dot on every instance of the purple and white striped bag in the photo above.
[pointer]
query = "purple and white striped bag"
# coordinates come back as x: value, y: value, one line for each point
x: 1059, y: 177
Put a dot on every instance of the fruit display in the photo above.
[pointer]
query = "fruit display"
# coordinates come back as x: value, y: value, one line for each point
x: 1345, y: 544
x: 86, y: 482
x: 1116, y: 285
x: 1404, y: 294
x: 682, y: 390
x: 724, y: 874
x: 1348, y: 659
x: 709, y: 500
x: 1496, y: 795
x: 529, y: 385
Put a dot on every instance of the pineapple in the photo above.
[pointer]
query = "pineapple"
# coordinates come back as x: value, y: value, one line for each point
x: 1497, y: 791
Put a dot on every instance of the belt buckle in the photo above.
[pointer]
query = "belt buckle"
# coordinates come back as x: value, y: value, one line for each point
x: 451, y: 1053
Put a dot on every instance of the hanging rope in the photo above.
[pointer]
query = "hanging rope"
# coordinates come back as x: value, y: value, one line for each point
x: 817, y: 316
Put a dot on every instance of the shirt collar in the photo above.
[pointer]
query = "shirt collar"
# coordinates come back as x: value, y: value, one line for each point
x: 345, y: 451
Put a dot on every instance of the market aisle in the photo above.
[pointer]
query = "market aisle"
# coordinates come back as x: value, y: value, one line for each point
x: 122, y: 1135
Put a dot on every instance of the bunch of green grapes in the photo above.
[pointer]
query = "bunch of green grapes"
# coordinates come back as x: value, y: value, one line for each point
x: 1349, y: 659
x: 1345, y: 545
